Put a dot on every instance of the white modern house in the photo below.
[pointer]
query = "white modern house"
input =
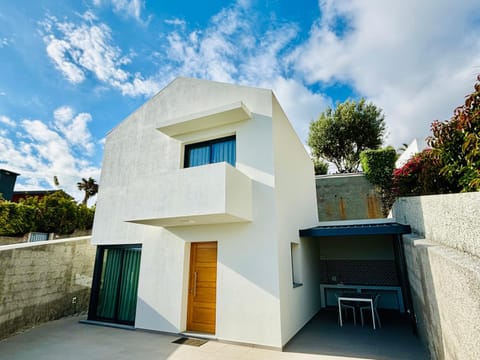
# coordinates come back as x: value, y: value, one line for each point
x: 203, y: 191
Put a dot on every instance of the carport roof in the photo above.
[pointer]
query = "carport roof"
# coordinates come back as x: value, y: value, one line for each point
x: 356, y: 228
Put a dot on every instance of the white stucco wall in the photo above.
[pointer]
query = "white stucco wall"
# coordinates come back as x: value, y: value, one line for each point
x: 296, y: 206
x: 253, y: 268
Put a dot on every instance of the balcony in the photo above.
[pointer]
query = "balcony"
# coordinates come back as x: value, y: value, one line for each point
x: 209, y: 194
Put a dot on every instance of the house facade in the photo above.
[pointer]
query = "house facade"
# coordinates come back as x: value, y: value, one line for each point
x: 7, y: 183
x: 203, y: 191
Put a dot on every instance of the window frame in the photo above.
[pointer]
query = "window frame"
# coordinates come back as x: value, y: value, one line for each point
x: 97, y: 279
x: 209, y: 143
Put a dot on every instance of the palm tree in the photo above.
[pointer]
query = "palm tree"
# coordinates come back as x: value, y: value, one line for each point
x: 89, y: 186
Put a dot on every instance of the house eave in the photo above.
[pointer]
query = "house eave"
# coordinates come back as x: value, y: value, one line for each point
x: 222, y: 115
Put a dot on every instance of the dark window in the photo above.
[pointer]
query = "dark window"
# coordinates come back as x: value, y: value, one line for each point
x: 210, y: 152
x: 115, y: 284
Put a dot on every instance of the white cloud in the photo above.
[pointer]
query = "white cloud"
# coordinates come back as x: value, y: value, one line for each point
x: 39, y: 152
x: 300, y: 104
x: 175, y: 22
x: 414, y: 59
x: 212, y: 53
x: 129, y: 8
x: 74, y: 128
x: 7, y: 121
x: 232, y: 50
x: 78, y: 50
x: 58, y: 50
x: 4, y: 42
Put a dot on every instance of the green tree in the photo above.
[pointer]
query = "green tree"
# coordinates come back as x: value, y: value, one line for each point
x: 341, y: 134
x: 57, y: 213
x: 90, y: 187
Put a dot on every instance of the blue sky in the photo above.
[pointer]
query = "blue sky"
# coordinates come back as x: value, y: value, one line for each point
x: 72, y: 70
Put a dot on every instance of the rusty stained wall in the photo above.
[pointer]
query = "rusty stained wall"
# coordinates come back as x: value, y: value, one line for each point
x: 347, y: 197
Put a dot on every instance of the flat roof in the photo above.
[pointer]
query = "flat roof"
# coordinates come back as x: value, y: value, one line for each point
x: 8, y: 172
x: 356, y: 228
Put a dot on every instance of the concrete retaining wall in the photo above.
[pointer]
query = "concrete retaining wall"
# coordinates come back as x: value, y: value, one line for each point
x: 444, y: 271
x: 39, y: 280
x: 347, y: 197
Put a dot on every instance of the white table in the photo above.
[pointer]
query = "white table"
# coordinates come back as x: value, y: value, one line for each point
x: 356, y: 299
x: 360, y: 288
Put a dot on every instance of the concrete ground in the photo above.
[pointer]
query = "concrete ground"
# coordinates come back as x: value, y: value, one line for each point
x: 394, y: 340
x: 321, y: 339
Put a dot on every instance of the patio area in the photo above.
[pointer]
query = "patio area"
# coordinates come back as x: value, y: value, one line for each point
x: 394, y: 340
x: 322, y: 338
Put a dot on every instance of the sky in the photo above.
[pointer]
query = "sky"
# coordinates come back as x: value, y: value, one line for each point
x: 70, y: 71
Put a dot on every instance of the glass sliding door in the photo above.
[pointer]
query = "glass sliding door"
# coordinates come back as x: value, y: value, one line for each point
x: 115, y: 284
x: 127, y: 299
x: 108, y: 292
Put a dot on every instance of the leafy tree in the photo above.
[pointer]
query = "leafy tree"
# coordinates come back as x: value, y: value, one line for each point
x: 456, y: 144
x: 341, y: 134
x: 90, y: 187
x: 320, y: 166
x: 57, y: 213
x: 378, y: 167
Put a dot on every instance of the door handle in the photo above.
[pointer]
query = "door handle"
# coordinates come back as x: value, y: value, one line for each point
x: 194, y: 284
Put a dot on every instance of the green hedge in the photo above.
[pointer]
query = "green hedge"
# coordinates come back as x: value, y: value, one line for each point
x: 57, y: 213
x: 378, y: 166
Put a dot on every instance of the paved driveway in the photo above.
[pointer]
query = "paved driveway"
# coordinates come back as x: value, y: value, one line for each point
x: 68, y: 339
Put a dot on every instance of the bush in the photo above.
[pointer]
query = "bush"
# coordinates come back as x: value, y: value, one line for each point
x: 320, y: 166
x: 378, y: 167
x: 420, y: 176
x: 85, y: 217
x: 57, y: 213
x: 16, y: 219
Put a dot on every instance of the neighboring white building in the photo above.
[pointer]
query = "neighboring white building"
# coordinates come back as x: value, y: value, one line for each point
x: 415, y: 147
x: 203, y: 191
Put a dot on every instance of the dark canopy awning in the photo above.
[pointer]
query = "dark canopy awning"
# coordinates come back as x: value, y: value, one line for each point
x: 356, y: 228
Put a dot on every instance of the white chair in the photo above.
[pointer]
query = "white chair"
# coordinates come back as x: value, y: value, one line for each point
x: 346, y: 307
x: 369, y: 309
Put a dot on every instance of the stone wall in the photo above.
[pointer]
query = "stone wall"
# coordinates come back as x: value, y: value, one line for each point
x: 444, y: 270
x: 43, y: 281
x: 346, y: 197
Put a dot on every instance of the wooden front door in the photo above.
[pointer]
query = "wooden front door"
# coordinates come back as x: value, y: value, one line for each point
x: 202, y: 292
